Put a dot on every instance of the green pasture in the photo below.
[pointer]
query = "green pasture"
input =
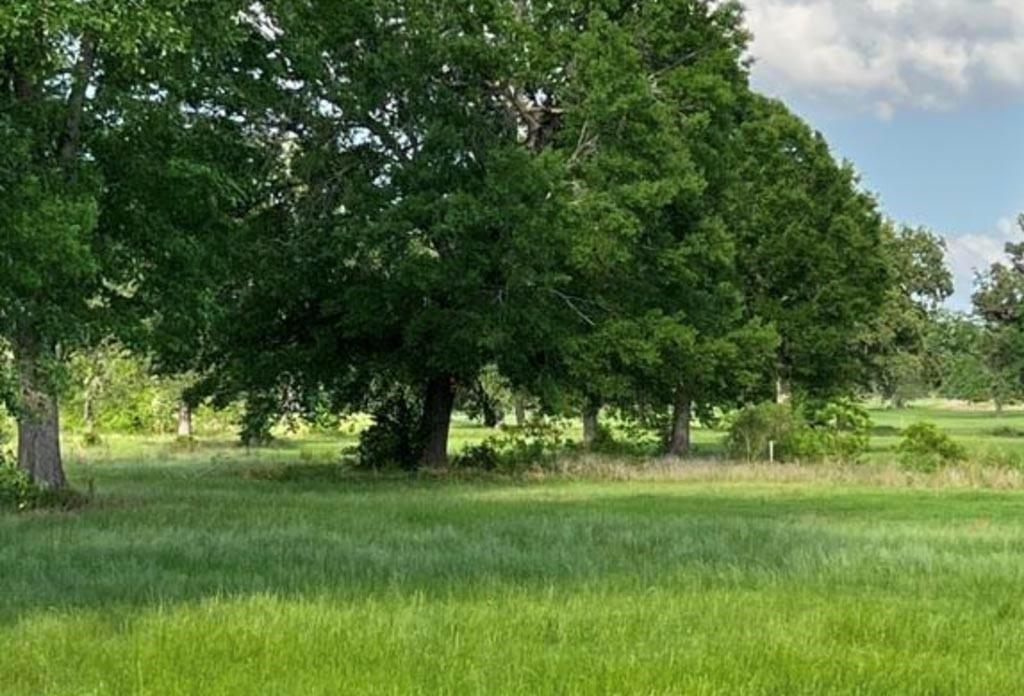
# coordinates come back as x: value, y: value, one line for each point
x: 220, y: 570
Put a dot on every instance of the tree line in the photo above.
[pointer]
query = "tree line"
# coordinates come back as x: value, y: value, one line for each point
x: 372, y: 205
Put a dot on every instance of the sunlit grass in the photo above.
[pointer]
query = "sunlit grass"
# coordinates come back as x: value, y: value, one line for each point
x: 189, y: 573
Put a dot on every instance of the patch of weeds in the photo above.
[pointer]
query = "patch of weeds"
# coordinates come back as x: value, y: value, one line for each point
x: 19, y: 493
x: 301, y: 473
x: 90, y: 439
x: 184, y: 443
x: 1002, y: 459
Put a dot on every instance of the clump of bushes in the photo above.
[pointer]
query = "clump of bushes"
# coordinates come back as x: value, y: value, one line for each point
x: 926, y: 448
x: 839, y: 429
x: 752, y: 429
x: 18, y: 492
x: 394, y: 440
x: 537, y: 443
x: 816, y: 431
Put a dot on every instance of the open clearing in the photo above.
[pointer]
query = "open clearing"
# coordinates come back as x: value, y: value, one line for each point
x: 190, y: 574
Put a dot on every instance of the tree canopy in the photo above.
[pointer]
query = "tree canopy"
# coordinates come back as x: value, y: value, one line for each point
x: 371, y: 204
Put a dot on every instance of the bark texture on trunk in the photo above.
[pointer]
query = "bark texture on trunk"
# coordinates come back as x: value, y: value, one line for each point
x: 590, y: 426
x: 437, y: 418
x: 679, y: 439
x: 38, y: 423
x: 184, y: 420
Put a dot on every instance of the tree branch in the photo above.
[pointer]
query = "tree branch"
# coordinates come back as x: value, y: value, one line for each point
x: 81, y: 77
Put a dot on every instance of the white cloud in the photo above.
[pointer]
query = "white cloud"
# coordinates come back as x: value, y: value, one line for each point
x: 885, y: 55
x: 970, y: 253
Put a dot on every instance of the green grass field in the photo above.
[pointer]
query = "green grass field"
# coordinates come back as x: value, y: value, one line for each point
x: 269, y: 572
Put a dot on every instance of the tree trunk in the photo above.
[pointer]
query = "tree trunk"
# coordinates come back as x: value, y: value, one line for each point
x: 437, y: 419
x: 590, y: 426
x: 89, y: 413
x: 679, y: 439
x: 184, y: 420
x: 38, y: 422
x: 520, y: 412
x: 781, y: 391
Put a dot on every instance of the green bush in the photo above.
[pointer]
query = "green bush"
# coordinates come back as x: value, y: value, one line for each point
x: 537, y: 443
x: 91, y: 438
x: 17, y: 492
x: 839, y: 429
x: 482, y: 457
x: 926, y: 448
x: 819, y: 431
x: 394, y: 440
x: 753, y: 427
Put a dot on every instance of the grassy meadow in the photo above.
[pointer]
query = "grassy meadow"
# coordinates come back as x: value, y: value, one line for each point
x: 220, y: 570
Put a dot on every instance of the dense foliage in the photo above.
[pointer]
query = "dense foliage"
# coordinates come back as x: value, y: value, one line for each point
x: 409, y: 207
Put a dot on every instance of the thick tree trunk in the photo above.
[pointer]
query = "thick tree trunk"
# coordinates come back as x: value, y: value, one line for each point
x: 38, y: 422
x: 590, y: 425
x: 437, y: 419
x: 520, y: 412
x: 679, y: 439
x: 184, y: 420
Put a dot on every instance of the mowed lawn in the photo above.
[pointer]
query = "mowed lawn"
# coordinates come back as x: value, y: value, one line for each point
x: 226, y: 571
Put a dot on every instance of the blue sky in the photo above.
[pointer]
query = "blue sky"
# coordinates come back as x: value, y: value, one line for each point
x: 925, y: 97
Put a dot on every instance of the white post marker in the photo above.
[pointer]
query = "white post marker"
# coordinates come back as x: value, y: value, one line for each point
x: 771, y: 451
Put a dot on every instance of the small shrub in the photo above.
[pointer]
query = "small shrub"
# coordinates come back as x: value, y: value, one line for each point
x: 91, y: 438
x: 482, y: 457
x: 17, y: 492
x: 516, y: 448
x: 926, y: 448
x: 394, y: 440
x: 830, y: 430
x: 839, y: 429
x: 538, y: 442
x: 753, y: 427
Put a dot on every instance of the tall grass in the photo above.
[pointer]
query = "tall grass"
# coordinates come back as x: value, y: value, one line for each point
x: 188, y: 574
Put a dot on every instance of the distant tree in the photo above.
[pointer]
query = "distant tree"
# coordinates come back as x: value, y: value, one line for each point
x: 999, y: 302
x: 956, y: 368
x: 895, y: 341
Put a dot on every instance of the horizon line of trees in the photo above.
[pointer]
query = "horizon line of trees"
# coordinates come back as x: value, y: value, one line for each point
x: 369, y: 205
